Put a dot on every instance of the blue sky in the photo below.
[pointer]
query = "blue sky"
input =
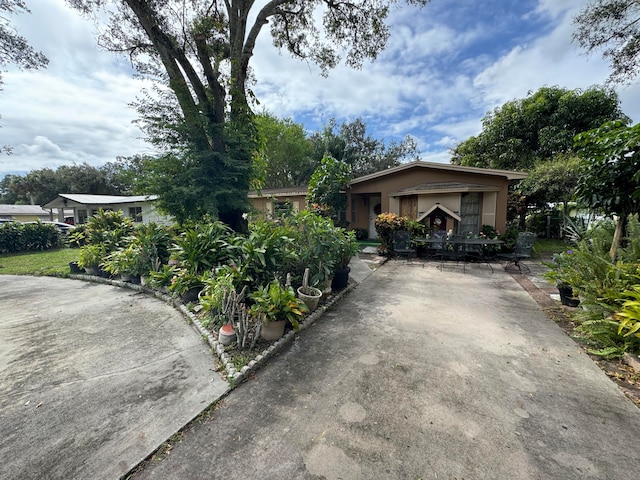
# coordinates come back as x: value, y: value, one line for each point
x: 445, y: 67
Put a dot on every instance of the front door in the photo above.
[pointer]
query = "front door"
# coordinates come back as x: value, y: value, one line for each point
x: 374, y: 206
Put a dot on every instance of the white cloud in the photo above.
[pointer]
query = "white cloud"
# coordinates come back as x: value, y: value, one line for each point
x: 446, y: 66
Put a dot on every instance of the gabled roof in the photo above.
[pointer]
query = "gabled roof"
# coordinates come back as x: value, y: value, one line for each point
x: 437, y: 206
x: 510, y: 175
x: 86, y: 199
x: 445, y: 187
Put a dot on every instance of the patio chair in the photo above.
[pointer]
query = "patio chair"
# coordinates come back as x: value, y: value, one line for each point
x: 402, y: 245
x: 454, y: 249
x: 521, y: 251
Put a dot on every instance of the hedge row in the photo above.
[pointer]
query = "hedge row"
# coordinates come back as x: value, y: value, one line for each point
x: 20, y: 237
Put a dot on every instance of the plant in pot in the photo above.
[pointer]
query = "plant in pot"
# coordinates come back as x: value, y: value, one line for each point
x: 90, y: 258
x: 346, y: 247
x: 308, y: 294
x: 562, y: 271
x: 186, y: 285
x: 276, y: 305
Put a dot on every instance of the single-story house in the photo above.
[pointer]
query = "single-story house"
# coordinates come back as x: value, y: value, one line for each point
x: 24, y: 213
x: 141, y: 208
x: 443, y: 196
x: 272, y: 200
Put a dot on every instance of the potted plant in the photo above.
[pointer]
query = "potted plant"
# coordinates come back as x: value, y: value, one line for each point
x: 90, y: 258
x: 308, y: 294
x: 276, y: 305
x: 346, y: 247
x: 562, y: 272
x: 186, y: 285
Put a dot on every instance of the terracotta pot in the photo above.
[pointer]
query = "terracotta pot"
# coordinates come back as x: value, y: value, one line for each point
x: 226, y: 334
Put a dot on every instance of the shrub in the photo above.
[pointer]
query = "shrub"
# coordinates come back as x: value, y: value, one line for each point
x: 361, y: 233
x: 17, y: 237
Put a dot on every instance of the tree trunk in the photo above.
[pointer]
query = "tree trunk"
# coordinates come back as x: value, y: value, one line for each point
x: 617, y: 236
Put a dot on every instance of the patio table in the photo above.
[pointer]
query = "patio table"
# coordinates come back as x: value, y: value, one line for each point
x: 482, y: 244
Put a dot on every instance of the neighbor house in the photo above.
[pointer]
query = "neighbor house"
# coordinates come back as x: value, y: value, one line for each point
x: 274, y: 200
x: 140, y: 208
x: 24, y: 213
x: 442, y: 196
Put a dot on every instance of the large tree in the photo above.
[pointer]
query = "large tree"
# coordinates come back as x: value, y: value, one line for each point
x: 538, y: 127
x: 610, y: 174
x: 612, y: 27
x: 350, y: 143
x: 284, y: 153
x: 201, y: 50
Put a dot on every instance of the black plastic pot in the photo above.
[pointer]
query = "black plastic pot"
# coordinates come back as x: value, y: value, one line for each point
x: 340, y: 279
x: 567, y: 298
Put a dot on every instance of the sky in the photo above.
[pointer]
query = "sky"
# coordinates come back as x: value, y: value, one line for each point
x: 445, y: 67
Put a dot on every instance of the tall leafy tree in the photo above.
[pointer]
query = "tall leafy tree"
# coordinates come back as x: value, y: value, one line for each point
x: 201, y: 51
x: 613, y: 28
x: 538, y: 127
x: 285, y: 152
x: 14, y: 48
x: 610, y: 174
x: 327, y: 186
x: 350, y: 143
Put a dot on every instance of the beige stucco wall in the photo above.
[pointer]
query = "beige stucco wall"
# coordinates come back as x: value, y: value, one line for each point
x: 494, y: 203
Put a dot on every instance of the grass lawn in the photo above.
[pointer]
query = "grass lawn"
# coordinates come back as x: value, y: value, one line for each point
x: 547, y: 247
x: 51, y: 262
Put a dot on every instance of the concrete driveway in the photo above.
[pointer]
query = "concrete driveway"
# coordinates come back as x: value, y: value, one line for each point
x: 93, y: 378
x: 420, y: 374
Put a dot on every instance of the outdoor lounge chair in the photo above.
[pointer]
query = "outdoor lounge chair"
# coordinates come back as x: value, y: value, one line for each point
x: 402, y: 245
x: 521, y: 251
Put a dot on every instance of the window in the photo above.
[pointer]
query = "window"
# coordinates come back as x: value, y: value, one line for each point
x: 470, y: 213
x: 136, y: 214
x: 282, y: 208
x: 82, y: 216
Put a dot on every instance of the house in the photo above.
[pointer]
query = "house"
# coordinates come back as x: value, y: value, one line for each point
x: 443, y: 196
x: 273, y: 200
x: 24, y: 213
x: 141, y: 208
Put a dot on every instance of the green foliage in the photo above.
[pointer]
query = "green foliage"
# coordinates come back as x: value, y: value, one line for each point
x: 552, y: 181
x: 20, y: 237
x: 629, y: 314
x: 610, y: 176
x: 361, y: 233
x: 285, y: 152
x: 611, y: 26
x: 537, y: 128
x: 327, y: 183
x: 351, y: 145
x: 273, y: 303
x: 199, y: 55
x: 386, y: 224
x: 203, y: 246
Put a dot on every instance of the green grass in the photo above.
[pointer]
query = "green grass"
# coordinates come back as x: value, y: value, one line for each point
x: 51, y: 262
x: 547, y: 247
x: 368, y: 243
